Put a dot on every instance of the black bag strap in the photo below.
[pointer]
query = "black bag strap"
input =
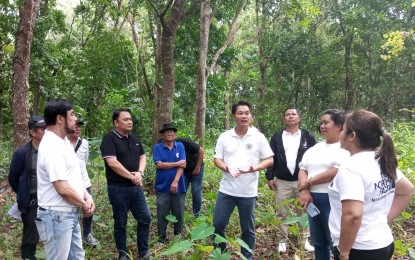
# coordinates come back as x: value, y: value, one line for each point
x: 78, y: 145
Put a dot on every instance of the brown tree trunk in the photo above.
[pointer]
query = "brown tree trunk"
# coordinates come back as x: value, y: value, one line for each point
x: 226, y: 104
x: 350, y: 92
x: 21, y: 66
x: 200, y: 105
x: 163, y: 104
x: 263, y: 64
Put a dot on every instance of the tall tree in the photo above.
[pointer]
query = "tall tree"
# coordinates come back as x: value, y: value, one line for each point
x: 170, y: 17
x: 21, y: 67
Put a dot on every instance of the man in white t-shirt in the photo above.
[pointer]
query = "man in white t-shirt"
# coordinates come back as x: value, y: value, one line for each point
x: 238, y: 154
x: 60, y: 188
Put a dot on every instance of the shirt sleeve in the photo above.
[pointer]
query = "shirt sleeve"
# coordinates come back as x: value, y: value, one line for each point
x: 108, y: 147
x: 219, y: 148
x: 350, y: 185
x: 266, y: 150
x: 156, y: 153
x: 304, y: 161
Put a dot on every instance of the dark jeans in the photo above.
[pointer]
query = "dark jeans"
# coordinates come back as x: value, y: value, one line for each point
x: 169, y: 203
x: 319, y: 227
x: 196, y: 181
x: 225, y: 204
x: 87, y: 222
x: 30, y: 235
x: 123, y: 199
x: 374, y: 254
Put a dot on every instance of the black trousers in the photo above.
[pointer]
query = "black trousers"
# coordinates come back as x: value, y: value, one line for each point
x: 30, y: 235
x: 375, y: 254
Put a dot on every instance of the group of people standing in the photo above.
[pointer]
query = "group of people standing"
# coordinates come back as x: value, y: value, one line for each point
x: 351, y: 177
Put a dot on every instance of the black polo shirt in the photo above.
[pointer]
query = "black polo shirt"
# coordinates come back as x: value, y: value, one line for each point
x: 192, y: 153
x: 127, y: 150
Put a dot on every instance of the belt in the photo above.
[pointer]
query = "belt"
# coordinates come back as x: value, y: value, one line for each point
x: 57, y: 208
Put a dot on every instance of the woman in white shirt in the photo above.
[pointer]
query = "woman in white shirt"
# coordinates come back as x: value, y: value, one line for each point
x: 368, y: 192
x: 318, y: 167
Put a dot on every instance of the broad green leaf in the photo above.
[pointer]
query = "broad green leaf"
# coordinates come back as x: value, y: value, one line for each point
x: 171, y: 218
x: 178, y: 247
x: 202, y: 231
x: 220, y: 239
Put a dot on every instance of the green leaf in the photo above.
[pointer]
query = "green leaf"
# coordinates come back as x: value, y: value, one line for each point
x: 304, y: 220
x: 217, y: 255
x: 244, y: 245
x: 406, y: 215
x: 411, y: 252
x: 220, y: 239
x: 178, y: 247
x: 171, y: 218
x: 205, y: 248
x: 202, y: 231
x: 290, y: 221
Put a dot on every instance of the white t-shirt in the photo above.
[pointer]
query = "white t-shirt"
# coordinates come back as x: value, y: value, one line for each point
x: 56, y: 161
x: 320, y: 158
x: 359, y: 178
x: 241, y: 153
x: 83, y: 154
x: 291, y: 144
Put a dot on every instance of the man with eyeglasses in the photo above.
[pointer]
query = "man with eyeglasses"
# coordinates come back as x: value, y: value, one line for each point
x: 125, y: 162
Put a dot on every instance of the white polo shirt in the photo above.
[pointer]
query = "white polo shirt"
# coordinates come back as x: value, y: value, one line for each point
x: 320, y: 158
x: 291, y: 144
x: 241, y: 153
x: 56, y: 161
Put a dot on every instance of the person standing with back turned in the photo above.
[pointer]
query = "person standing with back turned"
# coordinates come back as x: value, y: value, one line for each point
x: 289, y: 146
x: 23, y: 180
x: 125, y: 162
x: 368, y: 192
x: 60, y: 188
x: 240, y: 154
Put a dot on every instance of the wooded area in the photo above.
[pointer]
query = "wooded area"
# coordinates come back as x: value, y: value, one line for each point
x: 188, y: 61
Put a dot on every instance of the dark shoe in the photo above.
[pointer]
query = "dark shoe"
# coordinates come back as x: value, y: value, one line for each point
x: 90, y: 240
x: 147, y: 256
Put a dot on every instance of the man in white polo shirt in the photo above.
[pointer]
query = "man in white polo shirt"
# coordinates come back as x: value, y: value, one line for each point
x: 240, y: 153
x: 60, y: 188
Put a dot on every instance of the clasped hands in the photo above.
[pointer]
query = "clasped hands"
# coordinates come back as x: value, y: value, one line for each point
x: 237, y: 172
x: 89, y: 207
x: 137, y: 178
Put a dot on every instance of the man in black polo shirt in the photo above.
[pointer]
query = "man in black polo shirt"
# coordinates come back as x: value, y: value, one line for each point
x: 193, y: 171
x: 125, y: 162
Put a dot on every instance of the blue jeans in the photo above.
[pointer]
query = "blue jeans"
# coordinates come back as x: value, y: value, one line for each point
x: 169, y: 203
x: 123, y: 199
x: 196, y: 181
x: 225, y: 204
x: 319, y: 227
x: 61, y: 234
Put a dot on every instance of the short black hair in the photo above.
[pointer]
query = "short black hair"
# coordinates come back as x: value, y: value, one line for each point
x: 288, y: 108
x: 337, y: 115
x: 240, y: 103
x: 117, y: 113
x: 54, y: 108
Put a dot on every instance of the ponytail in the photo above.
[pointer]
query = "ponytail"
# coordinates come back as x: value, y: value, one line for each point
x: 387, y: 156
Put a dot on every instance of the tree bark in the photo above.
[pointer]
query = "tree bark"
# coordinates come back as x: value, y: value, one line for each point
x: 163, y: 103
x: 21, y: 67
x: 200, y: 105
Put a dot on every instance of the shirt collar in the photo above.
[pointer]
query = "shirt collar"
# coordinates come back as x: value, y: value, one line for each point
x: 120, y: 135
x: 286, y: 133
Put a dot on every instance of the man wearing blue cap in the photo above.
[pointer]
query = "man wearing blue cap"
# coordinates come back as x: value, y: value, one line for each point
x: 23, y: 180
